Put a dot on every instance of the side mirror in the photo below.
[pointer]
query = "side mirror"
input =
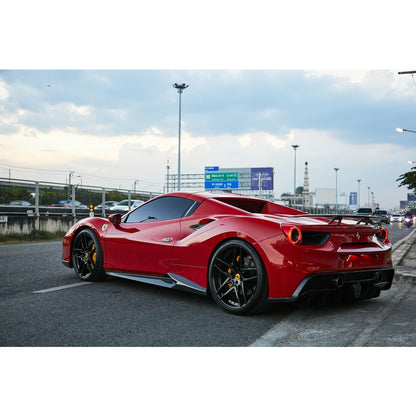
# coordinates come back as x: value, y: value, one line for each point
x: 115, y: 219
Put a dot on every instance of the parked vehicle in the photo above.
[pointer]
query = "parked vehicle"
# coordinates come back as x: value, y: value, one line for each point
x: 396, y: 218
x: 21, y: 203
x: 382, y: 215
x: 242, y: 251
x: 108, y: 204
x: 124, y: 205
x: 68, y: 203
x: 364, y: 211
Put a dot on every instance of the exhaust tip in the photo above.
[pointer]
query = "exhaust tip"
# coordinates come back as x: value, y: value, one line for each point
x: 339, y: 281
x: 378, y: 277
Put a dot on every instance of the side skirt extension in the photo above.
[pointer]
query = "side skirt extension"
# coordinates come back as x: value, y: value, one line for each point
x: 169, y: 281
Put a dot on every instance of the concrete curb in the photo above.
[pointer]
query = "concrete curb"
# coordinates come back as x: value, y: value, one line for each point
x: 399, y: 251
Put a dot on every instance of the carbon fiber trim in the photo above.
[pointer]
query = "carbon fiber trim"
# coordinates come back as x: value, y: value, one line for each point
x: 170, y: 281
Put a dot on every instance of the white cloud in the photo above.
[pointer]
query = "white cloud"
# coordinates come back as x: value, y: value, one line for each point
x: 4, y: 92
x: 145, y: 156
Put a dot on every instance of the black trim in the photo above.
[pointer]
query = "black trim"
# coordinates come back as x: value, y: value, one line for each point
x: 170, y: 281
x: 191, y: 209
x: 328, y: 283
x: 366, y: 219
x: 66, y: 263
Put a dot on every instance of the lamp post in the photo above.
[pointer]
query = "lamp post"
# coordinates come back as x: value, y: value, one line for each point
x: 336, y: 188
x: 167, y: 177
x: 295, y: 146
x: 368, y: 197
x: 180, y: 88
x: 358, y: 196
x: 400, y: 130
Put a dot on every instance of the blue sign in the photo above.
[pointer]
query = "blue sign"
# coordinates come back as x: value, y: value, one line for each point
x: 212, y: 168
x: 221, y: 185
x: 262, y: 178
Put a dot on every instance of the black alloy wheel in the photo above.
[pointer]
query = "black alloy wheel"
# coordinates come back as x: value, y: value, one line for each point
x: 87, y: 256
x: 237, y: 279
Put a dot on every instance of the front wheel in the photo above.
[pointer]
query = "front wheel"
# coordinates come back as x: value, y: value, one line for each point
x: 87, y: 256
x: 237, y: 279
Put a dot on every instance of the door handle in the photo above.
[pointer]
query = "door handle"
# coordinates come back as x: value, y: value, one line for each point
x: 166, y: 240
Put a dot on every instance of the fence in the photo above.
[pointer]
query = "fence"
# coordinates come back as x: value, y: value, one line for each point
x: 44, y: 212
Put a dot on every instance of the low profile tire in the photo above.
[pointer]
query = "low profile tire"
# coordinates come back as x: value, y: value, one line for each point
x: 87, y: 256
x: 237, y: 278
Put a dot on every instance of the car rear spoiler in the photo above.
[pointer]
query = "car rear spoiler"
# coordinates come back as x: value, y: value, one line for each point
x: 337, y: 218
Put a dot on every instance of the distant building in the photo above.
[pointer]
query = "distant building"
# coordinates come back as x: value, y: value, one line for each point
x: 306, y: 195
x: 325, y: 196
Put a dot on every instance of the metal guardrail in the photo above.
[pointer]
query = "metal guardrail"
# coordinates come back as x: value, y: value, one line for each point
x: 40, y: 210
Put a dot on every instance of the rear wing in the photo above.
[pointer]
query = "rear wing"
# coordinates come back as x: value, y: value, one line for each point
x: 337, y: 218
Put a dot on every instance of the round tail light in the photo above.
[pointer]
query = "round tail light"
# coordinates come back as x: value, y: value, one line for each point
x: 294, y: 235
x: 383, y: 235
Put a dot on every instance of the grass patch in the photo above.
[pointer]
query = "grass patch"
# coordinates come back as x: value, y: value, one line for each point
x: 34, y: 236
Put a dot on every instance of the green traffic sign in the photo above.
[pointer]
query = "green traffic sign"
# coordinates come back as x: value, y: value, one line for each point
x: 221, y: 176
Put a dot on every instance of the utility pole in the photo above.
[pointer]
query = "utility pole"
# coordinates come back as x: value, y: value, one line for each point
x: 180, y: 88
x: 167, y: 177
x: 336, y: 188
x: 295, y: 146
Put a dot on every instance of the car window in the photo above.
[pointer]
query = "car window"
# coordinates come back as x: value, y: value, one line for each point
x: 164, y: 208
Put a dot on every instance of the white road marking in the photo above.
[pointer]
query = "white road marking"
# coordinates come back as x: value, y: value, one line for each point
x: 282, y: 330
x: 53, y: 289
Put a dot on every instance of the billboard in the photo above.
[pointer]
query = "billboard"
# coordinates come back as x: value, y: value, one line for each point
x: 221, y: 180
x: 262, y: 178
x: 252, y: 179
x: 353, y: 198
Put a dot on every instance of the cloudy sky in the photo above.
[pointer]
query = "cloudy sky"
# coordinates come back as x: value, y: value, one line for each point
x: 114, y: 127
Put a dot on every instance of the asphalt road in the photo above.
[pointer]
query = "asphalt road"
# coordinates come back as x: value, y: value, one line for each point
x: 42, y: 303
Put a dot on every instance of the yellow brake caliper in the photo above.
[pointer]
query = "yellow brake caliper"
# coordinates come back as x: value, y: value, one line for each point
x: 237, y: 276
x: 94, y: 256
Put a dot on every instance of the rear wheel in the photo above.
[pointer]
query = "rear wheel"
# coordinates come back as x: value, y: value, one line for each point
x: 87, y: 256
x: 237, y: 279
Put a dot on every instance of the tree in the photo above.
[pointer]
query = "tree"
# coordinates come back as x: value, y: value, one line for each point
x: 408, y: 179
x: 8, y: 194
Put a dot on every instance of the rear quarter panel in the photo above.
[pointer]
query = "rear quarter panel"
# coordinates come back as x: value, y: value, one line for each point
x: 192, y: 254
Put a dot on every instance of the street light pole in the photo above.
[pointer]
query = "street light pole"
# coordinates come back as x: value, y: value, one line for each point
x: 180, y: 88
x: 295, y: 146
x: 167, y: 177
x: 358, y: 196
x: 336, y: 188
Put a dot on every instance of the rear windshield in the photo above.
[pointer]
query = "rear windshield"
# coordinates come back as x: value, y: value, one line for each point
x: 250, y: 205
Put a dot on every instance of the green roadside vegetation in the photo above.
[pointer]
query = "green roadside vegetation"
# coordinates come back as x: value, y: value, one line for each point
x: 48, y: 196
x: 35, y: 236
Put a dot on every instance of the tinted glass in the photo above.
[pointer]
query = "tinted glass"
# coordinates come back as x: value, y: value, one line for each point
x: 164, y: 208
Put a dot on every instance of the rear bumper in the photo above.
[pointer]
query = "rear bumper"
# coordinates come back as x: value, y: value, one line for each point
x: 355, y: 284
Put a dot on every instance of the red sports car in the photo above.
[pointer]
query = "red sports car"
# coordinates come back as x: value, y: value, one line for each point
x: 242, y: 251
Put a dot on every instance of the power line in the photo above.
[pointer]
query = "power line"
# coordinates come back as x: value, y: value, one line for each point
x: 39, y: 169
x: 60, y: 171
